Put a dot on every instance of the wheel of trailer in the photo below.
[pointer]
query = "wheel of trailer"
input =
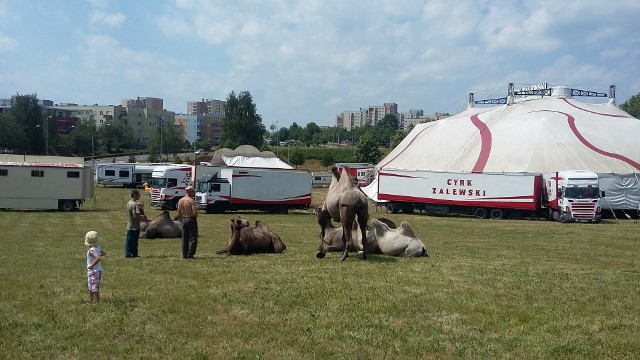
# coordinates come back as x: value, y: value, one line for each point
x: 407, y: 208
x: 480, y: 213
x: 496, y: 214
x: 392, y: 208
x: 67, y: 205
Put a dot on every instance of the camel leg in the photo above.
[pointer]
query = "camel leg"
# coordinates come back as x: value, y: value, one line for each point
x: 347, y: 218
x: 363, y: 219
x: 323, y: 218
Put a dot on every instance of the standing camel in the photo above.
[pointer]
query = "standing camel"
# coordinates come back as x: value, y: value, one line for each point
x: 345, y: 203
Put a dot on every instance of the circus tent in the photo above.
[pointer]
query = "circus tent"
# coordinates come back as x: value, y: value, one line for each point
x: 544, y: 134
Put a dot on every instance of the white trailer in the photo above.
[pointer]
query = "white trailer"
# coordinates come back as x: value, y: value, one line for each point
x: 272, y: 190
x: 45, y: 186
x: 321, y: 179
x: 556, y: 196
x: 124, y: 174
x: 120, y: 174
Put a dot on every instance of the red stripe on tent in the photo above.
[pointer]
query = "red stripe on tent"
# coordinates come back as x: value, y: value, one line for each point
x: 485, y: 148
x: 593, y: 112
x: 398, y: 175
x: 408, y: 146
x: 572, y: 124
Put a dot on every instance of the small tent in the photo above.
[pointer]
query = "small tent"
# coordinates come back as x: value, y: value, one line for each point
x: 248, y: 156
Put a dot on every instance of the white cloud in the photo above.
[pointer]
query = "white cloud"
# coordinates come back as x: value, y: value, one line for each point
x: 103, y: 18
x: 7, y: 43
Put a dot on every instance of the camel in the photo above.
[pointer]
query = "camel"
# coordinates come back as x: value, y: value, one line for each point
x: 161, y: 227
x: 333, y: 235
x: 247, y: 240
x: 396, y: 242
x: 346, y: 204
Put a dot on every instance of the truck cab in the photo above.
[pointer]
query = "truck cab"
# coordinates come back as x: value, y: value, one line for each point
x: 573, y: 196
x: 213, y: 193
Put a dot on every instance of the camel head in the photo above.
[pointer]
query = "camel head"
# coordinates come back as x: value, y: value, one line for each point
x: 238, y: 223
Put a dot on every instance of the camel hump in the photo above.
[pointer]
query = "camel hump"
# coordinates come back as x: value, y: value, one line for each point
x: 407, y: 230
x: 335, y: 172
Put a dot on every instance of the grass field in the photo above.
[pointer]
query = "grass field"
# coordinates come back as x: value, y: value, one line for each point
x: 490, y: 289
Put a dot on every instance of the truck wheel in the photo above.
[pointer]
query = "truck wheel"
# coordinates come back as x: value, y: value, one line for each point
x: 496, y: 214
x: 480, y: 213
x: 67, y: 205
x: 407, y: 209
x: 392, y: 208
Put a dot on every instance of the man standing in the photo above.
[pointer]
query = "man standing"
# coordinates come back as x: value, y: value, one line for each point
x: 133, y: 225
x: 189, y: 212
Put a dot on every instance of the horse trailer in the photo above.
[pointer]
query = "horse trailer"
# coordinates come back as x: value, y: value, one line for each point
x: 57, y: 184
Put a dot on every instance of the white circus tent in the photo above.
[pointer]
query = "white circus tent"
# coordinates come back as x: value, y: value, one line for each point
x: 545, y: 134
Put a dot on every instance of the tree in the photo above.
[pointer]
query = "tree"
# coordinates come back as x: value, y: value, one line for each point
x: 632, y: 106
x: 29, y: 115
x: 296, y: 132
x: 116, y: 135
x: 297, y: 157
x: 327, y: 159
x: 12, y: 133
x: 367, y: 150
x: 241, y: 124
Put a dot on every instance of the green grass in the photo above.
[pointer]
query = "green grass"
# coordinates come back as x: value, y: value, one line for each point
x: 490, y: 289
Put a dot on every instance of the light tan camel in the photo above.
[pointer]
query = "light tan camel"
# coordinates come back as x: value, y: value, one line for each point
x: 345, y: 203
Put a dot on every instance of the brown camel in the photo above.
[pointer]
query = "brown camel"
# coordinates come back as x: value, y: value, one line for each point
x: 161, y: 227
x: 247, y: 240
x: 345, y: 203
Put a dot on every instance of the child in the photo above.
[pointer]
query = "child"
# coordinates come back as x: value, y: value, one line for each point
x: 94, y: 268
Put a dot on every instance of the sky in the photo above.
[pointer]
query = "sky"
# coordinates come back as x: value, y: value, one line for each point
x: 308, y: 61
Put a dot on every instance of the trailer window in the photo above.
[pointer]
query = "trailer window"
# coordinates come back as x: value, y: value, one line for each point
x: 123, y: 173
x: 73, y: 174
x: 4, y: 172
x: 37, y: 173
x: 109, y: 173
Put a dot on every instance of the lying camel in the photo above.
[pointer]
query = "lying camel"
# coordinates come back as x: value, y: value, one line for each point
x: 247, y: 240
x: 396, y: 242
x: 161, y: 227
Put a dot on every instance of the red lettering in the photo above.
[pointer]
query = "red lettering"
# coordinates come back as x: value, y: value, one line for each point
x: 434, y: 190
x: 441, y: 192
x: 469, y: 183
x: 455, y: 191
x: 477, y: 192
x: 462, y: 191
x: 448, y: 181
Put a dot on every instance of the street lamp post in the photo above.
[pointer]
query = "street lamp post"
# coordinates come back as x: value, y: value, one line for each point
x: 46, y: 135
x: 161, y: 126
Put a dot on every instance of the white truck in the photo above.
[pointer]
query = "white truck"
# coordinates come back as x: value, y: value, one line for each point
x: 124, y: 174
x: 168, y: 183
x: 272, y: 190
x: 60, y: 186
x: 557, y: 196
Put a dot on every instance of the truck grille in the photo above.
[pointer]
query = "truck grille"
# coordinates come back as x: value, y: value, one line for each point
x: 583, y: 210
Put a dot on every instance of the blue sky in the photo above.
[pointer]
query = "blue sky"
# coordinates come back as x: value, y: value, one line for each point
x: 309, y: 60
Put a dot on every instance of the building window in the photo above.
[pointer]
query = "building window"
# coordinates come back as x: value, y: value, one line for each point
x: 37, y: 173
x: 4, y: 172
x: 73, y: 174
